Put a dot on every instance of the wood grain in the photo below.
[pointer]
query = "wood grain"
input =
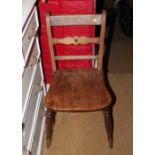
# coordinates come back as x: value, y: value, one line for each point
x: 50, y: 41
x: 43, y: 1
x: 77, y: 90
x: 108, y: 125
x: 76, y: 40
x: 101, y: 42
x: 75, y: 57
x: 50, y: 122
x: 64, y: 20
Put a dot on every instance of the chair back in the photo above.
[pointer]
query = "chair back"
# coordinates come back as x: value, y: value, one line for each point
x: 68, y: 20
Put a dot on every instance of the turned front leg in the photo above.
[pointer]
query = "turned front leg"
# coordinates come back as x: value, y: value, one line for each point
x: 109, y: 125
x: 50, y: 121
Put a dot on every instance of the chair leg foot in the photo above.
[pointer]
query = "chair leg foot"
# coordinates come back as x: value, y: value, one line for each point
x: 109, y: 125
x: 50, y: 121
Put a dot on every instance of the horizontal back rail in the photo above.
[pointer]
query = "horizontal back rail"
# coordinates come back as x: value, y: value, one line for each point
x: 76, y: 40
x: 66, y: 20
x: 75, y: 57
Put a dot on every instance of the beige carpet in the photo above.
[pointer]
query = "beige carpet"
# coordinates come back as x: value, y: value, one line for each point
x: 84, y: 133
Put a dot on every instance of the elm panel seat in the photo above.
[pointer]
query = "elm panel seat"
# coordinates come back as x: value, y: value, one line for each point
x: 77, y: 90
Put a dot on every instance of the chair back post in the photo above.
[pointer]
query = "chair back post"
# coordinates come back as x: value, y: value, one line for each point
x: 101, y: 41
x: 50, y: 41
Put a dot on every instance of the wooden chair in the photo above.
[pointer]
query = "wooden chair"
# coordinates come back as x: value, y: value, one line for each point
x: 75, y: 90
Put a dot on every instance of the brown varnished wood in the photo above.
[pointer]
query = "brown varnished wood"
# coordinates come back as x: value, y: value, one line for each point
x: 50, y: 41
x: 50, y: 121
x: 77, y: 90
x: 75, y: 57
x: 43, y: 1
x: 76, y: 40
x: 108, y: 125
x: 101, y: 41
x: 63, y: 20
